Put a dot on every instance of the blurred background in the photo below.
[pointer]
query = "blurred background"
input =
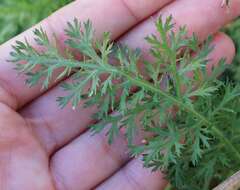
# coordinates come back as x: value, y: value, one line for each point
x: 18, y: 15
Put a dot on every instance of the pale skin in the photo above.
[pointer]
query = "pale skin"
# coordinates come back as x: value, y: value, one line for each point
x: 45, y: 148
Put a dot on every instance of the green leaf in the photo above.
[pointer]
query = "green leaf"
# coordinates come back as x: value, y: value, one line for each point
x: 187, y: 122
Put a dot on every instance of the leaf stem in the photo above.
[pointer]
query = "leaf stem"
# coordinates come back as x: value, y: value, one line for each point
x: 152, y: 88
x: 176, y: 76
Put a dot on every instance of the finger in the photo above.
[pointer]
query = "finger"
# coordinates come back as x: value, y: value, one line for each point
x: 115, y: 16
x: 90, y: 157
x: 23, y: 162
x: 102, y: 159
x: 202, y: 18
x: 134, y: 176
x: 224, y: 48
x: 55, y: 132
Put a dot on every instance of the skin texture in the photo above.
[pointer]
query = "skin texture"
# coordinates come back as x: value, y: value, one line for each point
x: 44, y: 147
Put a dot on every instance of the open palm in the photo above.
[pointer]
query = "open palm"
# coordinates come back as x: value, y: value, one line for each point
x: 43, y: 147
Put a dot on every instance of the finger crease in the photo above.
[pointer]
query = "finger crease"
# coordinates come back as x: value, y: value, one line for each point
x: 8, y: 97
x: 131, y: 12
x: 131, y: 180
x: 51, y: 135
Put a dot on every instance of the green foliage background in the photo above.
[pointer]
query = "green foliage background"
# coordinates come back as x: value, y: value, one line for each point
x: 18, y: 15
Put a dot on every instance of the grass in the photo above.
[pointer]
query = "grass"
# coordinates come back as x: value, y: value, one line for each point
x: 18, y: 15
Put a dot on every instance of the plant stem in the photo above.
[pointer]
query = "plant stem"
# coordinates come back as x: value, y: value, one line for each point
x: 152, y: 88
x: 176, y: 76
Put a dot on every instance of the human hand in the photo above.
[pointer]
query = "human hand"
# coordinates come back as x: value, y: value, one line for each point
x: 43, y: 147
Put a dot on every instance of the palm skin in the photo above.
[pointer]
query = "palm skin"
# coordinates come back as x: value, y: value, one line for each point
x: 23, y: 159
x: 43, y: 147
